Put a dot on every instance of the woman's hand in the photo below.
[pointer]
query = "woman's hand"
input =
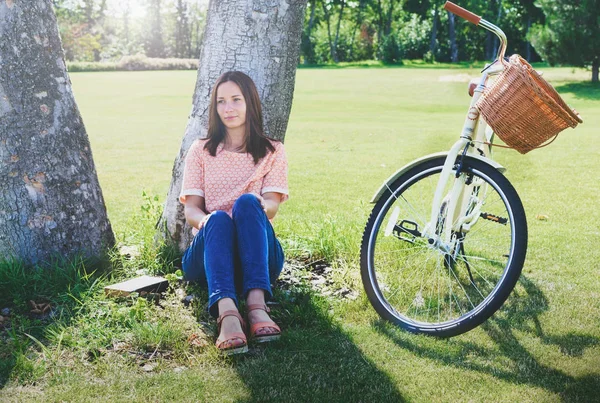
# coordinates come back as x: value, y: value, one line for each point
x: 202, y: 222
x: 262, y: 202
x: 269, y: 202
x: 194, y: 211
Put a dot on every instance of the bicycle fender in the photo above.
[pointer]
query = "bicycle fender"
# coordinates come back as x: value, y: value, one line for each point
x: 425, y: 158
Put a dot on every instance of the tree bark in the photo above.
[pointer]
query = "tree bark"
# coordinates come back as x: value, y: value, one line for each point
x: 260, y: 38
x: 50, y: 199
x: 595, y: 68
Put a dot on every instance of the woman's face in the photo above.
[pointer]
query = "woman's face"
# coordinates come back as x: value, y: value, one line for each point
x: 231, y: 105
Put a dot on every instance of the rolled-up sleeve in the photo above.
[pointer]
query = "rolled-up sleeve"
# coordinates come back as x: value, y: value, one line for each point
x: 193, y: 173
x: 276, y: 179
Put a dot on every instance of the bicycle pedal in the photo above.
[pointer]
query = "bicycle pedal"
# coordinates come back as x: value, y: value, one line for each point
x: 407, y: 227
x: 494, y: 218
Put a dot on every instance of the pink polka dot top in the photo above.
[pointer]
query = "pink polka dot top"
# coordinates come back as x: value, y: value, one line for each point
x: 228, y: 175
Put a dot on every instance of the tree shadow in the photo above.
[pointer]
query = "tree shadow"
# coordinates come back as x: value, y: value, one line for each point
x: 581, y: 90
x: 56, y: 284
x: 510, y: 360
x: 315, y: 360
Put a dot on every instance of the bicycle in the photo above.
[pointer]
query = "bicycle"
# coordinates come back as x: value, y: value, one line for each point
x: 446, y: 241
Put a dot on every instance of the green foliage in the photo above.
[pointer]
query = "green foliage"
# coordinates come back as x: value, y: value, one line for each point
x: 389, y: 51
x: 571, y: 33
x: 137, y: 62
x: 97, y: 30
x: 79, y: 44
x: 92, y: 66
x: 414, y: 37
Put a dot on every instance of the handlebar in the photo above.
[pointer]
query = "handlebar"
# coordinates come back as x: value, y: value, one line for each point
x: 462, y: 13
x: 477, y: 20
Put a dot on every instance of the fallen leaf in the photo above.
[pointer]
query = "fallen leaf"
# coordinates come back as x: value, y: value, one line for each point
x: 542, y: 217
x: 196, y: 341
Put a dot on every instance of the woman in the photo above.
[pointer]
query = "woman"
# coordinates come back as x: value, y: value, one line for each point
x: 233, y: 183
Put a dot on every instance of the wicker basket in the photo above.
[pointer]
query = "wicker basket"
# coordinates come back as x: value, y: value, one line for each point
x: 523, y: 109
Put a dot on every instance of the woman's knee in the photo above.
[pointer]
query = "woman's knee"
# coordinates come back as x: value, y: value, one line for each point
x: 219, y: 218
x: 245, y: 202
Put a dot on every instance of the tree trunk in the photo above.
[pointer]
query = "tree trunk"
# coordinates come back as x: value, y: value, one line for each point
x: 453, y: 45
x: 595, y: 68
x: 50, y: 199
x: 380, y: 22
x: 309, y: 27
x: 388, y: 20
x: 260, y: 38
x: 433, y: 40
x: 527, y: 43
x: 332, y: 50
x: 359, y: 20
x: 337, y: 32
x: 126, y: 16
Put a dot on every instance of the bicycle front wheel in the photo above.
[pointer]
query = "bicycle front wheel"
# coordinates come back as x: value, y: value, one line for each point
x: 444, y: 290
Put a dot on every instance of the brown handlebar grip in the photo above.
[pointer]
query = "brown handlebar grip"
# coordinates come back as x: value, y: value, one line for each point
x: 462, y: 13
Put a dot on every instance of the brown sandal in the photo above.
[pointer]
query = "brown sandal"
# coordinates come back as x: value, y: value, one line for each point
x: 226, y: 346
x: 261, y: 338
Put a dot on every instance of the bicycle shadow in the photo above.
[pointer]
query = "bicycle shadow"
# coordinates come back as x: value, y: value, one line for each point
x: 581, y: 90
x: 511, y: 361
x: 315, y: 361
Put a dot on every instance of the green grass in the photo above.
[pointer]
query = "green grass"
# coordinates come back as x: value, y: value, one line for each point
x: 349, y: 130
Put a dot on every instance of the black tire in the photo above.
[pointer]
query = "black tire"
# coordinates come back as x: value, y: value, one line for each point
x: 438, y: 291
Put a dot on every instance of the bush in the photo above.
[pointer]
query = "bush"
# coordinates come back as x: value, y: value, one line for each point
x: 141, y: 62
x: 92, y: 66
x: 135, y: 63
x: 389, y: 50
x: 414, y: 38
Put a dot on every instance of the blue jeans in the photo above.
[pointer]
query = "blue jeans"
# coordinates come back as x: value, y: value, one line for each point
x: 234, y: 254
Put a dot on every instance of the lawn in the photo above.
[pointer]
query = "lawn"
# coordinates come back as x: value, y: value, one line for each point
x: 348, y: 131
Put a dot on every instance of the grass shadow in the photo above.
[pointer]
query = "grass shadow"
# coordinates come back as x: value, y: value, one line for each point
x: 315, y: 361
x: 57, y: 285
x: 582, y: 90
x: 510, y: 360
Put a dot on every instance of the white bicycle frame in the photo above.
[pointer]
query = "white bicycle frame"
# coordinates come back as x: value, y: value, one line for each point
x: 475, y: 140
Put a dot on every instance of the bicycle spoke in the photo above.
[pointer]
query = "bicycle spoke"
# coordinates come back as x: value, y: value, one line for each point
x: 438, y: 284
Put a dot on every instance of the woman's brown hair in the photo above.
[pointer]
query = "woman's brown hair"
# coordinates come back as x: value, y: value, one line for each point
x: 257, y: 143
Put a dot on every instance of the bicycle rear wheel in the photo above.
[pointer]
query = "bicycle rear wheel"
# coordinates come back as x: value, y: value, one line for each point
x: 443, y: 291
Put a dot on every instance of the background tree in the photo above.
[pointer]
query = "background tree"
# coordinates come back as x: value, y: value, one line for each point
x: 260, y: 38
x: 154, y: 44
x: 182, y: 34
x: 50, y: 198
x: 571, y: 33
x: 307, y: 43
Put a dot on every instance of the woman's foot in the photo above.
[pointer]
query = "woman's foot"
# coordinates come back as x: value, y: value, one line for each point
x: 261, y: 316
x: 262, y: 327
x: 232, y: 339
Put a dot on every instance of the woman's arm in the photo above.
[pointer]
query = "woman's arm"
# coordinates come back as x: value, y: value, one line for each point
x: 270, y: 202
x: 194, y: 211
